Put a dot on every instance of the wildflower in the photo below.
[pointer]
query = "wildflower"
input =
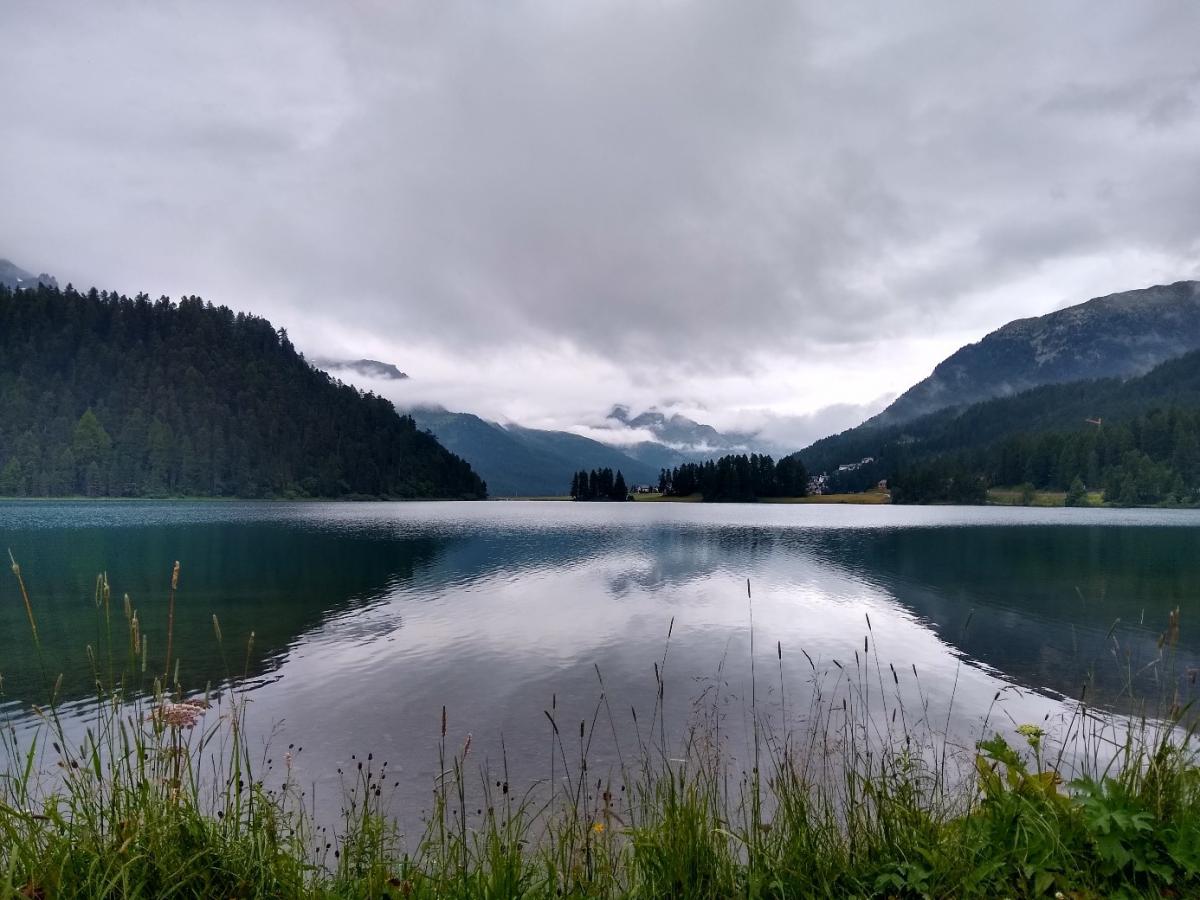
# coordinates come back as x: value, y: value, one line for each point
x: 178, y: 715
x: 1032, y: 733
x: 598, y: 827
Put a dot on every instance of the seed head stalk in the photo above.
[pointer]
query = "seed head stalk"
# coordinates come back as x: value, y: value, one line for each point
x: 16, y: 570
x: 171, y: 617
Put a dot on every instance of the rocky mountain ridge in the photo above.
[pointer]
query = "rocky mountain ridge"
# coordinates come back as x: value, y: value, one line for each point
x: 1119, y: 335
x: 13, y: 276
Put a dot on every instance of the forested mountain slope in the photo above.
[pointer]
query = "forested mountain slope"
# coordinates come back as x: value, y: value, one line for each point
x: 1056, y: 407
x: 1120, y: 335
x: 103, y: 395
x: 1103, y: 432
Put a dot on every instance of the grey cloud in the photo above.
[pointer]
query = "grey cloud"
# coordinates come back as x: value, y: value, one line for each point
x: 1163, y: 101
x: 801, y: 430
x: 676, y: 188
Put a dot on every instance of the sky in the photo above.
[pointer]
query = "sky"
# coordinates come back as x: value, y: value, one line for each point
x: 769, y: 216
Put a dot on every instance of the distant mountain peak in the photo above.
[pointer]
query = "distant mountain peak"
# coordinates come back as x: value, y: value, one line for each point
x: 367, y: 368
x: 13, y: 276
x: 678, y: 432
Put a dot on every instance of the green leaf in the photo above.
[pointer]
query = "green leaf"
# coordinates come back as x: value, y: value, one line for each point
x: 1042, y: 882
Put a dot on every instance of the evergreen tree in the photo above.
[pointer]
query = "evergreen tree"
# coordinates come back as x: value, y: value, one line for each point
x: 12, y: 479
x: 737, y: 477
x: 1077, y: 493
x: 105, y: 395
x: 620, y: 490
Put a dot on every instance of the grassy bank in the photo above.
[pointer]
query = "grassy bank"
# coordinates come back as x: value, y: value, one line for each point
x: 865, y: 498
x: 861, y: 796
x: 531, y: 497
x: 1015, y: 496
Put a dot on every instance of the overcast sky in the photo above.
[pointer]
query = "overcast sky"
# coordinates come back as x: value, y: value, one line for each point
x: 766, y: 214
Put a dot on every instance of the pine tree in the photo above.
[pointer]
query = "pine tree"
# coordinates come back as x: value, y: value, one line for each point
x: 620, y: 490
x: 12, y: 481
x: 1077, y: 493
x: 90, y: 445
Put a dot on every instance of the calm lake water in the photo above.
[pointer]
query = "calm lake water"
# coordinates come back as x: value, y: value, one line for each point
x: 367, y: 618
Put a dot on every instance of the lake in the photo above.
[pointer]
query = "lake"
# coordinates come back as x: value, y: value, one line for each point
x: 368, y: 618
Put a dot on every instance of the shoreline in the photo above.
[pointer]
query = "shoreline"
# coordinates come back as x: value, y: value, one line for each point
x: 1007, y: 497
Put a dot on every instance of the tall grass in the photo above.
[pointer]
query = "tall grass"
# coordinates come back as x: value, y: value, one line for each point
x: 857, y: 794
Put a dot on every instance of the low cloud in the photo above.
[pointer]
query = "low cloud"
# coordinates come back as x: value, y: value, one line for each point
x: 800, y: 431
x: 584, y: 203
x: 618, y: 436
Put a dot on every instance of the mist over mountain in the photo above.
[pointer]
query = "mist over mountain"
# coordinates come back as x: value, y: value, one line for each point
x: 1119, y: 335
x: 367, y: 368
x: 13, y: 276
x: 678, y: 439
x: 526, y: 462
x: 517, y: 461
x: 681, y: 433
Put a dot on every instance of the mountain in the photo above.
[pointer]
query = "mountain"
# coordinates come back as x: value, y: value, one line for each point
x: 12, y: 276
x: 527, y: 462
x: 682, y: 433
x: 105, y: 395
x: 1053, y: 407
x: 367, y: 368
x: 1119, y: 335
x: 530, y: 462
x: 678, y: 439
x: 659, y: 456
x: 1138, y: 439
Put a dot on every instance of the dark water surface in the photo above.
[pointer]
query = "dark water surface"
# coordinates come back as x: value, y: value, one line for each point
x: 367, y: 618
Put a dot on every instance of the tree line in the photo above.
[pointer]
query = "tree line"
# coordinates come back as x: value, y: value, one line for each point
x: 109, y: 396
x: 737, y: 477
x: 1151, y: 459
x: 599, y: 484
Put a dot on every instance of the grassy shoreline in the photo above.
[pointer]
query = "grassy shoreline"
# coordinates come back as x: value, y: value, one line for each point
x: 866, y: 498
x: 1015, y: 496
x: 859, y: 795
